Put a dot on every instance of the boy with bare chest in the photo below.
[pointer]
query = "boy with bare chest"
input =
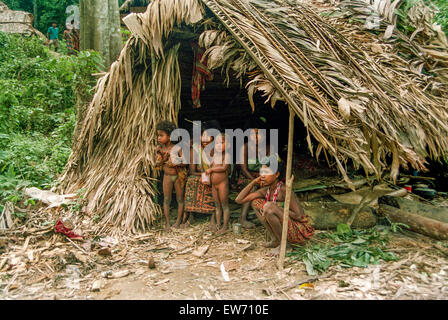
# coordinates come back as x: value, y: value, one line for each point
x: 174, y: 175
x: 219, y: 176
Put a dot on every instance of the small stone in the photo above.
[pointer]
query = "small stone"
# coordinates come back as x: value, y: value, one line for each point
x: 106, y: 274
x: 96, y: 286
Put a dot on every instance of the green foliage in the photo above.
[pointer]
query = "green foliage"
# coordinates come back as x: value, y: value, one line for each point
x: 441, y: 16
x: 125, y: 34
x: 350, y: 248
x: 397, y: 226
x: 38, y: 92
x: 79, y: 203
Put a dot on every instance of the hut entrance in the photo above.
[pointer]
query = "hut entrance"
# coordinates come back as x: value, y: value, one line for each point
x: 230, y: 106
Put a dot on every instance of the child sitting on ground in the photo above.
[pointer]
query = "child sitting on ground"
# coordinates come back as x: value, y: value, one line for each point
x: 174, y: 174
x: 268, y: 203
x: 219, y: 175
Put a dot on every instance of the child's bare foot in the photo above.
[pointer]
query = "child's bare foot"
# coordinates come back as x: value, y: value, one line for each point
x: 247, y: 224
x: 177, y: 225
x: 186, y: 224
x: 222, y: 231
x: 272, y: 244
x: 167, y: 227
x: 212, y: 227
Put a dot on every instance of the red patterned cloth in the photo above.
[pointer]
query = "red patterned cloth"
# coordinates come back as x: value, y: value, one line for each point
x: 200, y: 73
x: 298, y: 231
x: 198, y: 196
x: 60, y: 228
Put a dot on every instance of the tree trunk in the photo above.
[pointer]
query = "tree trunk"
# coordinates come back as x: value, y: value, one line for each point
x: 35, y: 13
x: 425, y: 210
x: 327, y: 215
x: 100, y: 28
x: 429, y: 227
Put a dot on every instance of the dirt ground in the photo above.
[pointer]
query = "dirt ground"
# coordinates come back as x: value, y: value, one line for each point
x: 48, y: 266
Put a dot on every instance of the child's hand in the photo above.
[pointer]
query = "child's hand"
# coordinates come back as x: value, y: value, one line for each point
x: 257, y: 180
x: 208, y: 171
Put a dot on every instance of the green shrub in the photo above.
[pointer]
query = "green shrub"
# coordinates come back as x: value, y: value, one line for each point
x: 38, y: 93
x: 442, y: 16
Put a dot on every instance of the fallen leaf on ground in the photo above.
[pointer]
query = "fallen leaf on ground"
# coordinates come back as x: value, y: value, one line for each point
x: 80, y: 257
x: 96, y: 286
x: 120, y: 274
x: 104, y: 252
x: 224, y: 273
x: 231, y: 265
x: 13, y: 287
x: 166, y: 271
x: 250, y: 246
x: 306, y: 286
x: 199, y: 252
x: 161, y: 282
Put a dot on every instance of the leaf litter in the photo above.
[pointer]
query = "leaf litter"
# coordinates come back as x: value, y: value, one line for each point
x: 355, y: 264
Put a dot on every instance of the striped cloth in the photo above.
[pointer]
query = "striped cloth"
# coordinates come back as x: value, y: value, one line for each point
x: 200, y: 73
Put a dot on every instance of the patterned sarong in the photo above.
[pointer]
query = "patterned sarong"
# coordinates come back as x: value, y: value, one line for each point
x: 69, y: 42
x: 198, y: 196
x: 298, y: 231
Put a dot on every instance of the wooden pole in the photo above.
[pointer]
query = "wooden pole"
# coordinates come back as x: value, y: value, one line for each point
x: 289, y: 180
x: 153, y: 71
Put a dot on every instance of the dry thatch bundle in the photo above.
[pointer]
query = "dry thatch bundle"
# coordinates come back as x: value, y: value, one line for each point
x: 425, y: 46
x: 357, y: 106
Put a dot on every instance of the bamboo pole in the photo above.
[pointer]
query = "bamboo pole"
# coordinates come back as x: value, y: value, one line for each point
x: 153, y: 70
x: 289, y: 180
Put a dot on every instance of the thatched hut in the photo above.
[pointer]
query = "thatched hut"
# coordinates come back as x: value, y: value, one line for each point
x: 357, y: 104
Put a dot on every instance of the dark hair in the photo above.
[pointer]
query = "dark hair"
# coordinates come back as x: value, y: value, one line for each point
x: 54, y: 22
x: 166, y: 126
x: 281, y: 168
x: 211, y: 124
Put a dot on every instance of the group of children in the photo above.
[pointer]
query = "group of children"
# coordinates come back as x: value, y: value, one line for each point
x: 266, y: 192
x: 215, y: 172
